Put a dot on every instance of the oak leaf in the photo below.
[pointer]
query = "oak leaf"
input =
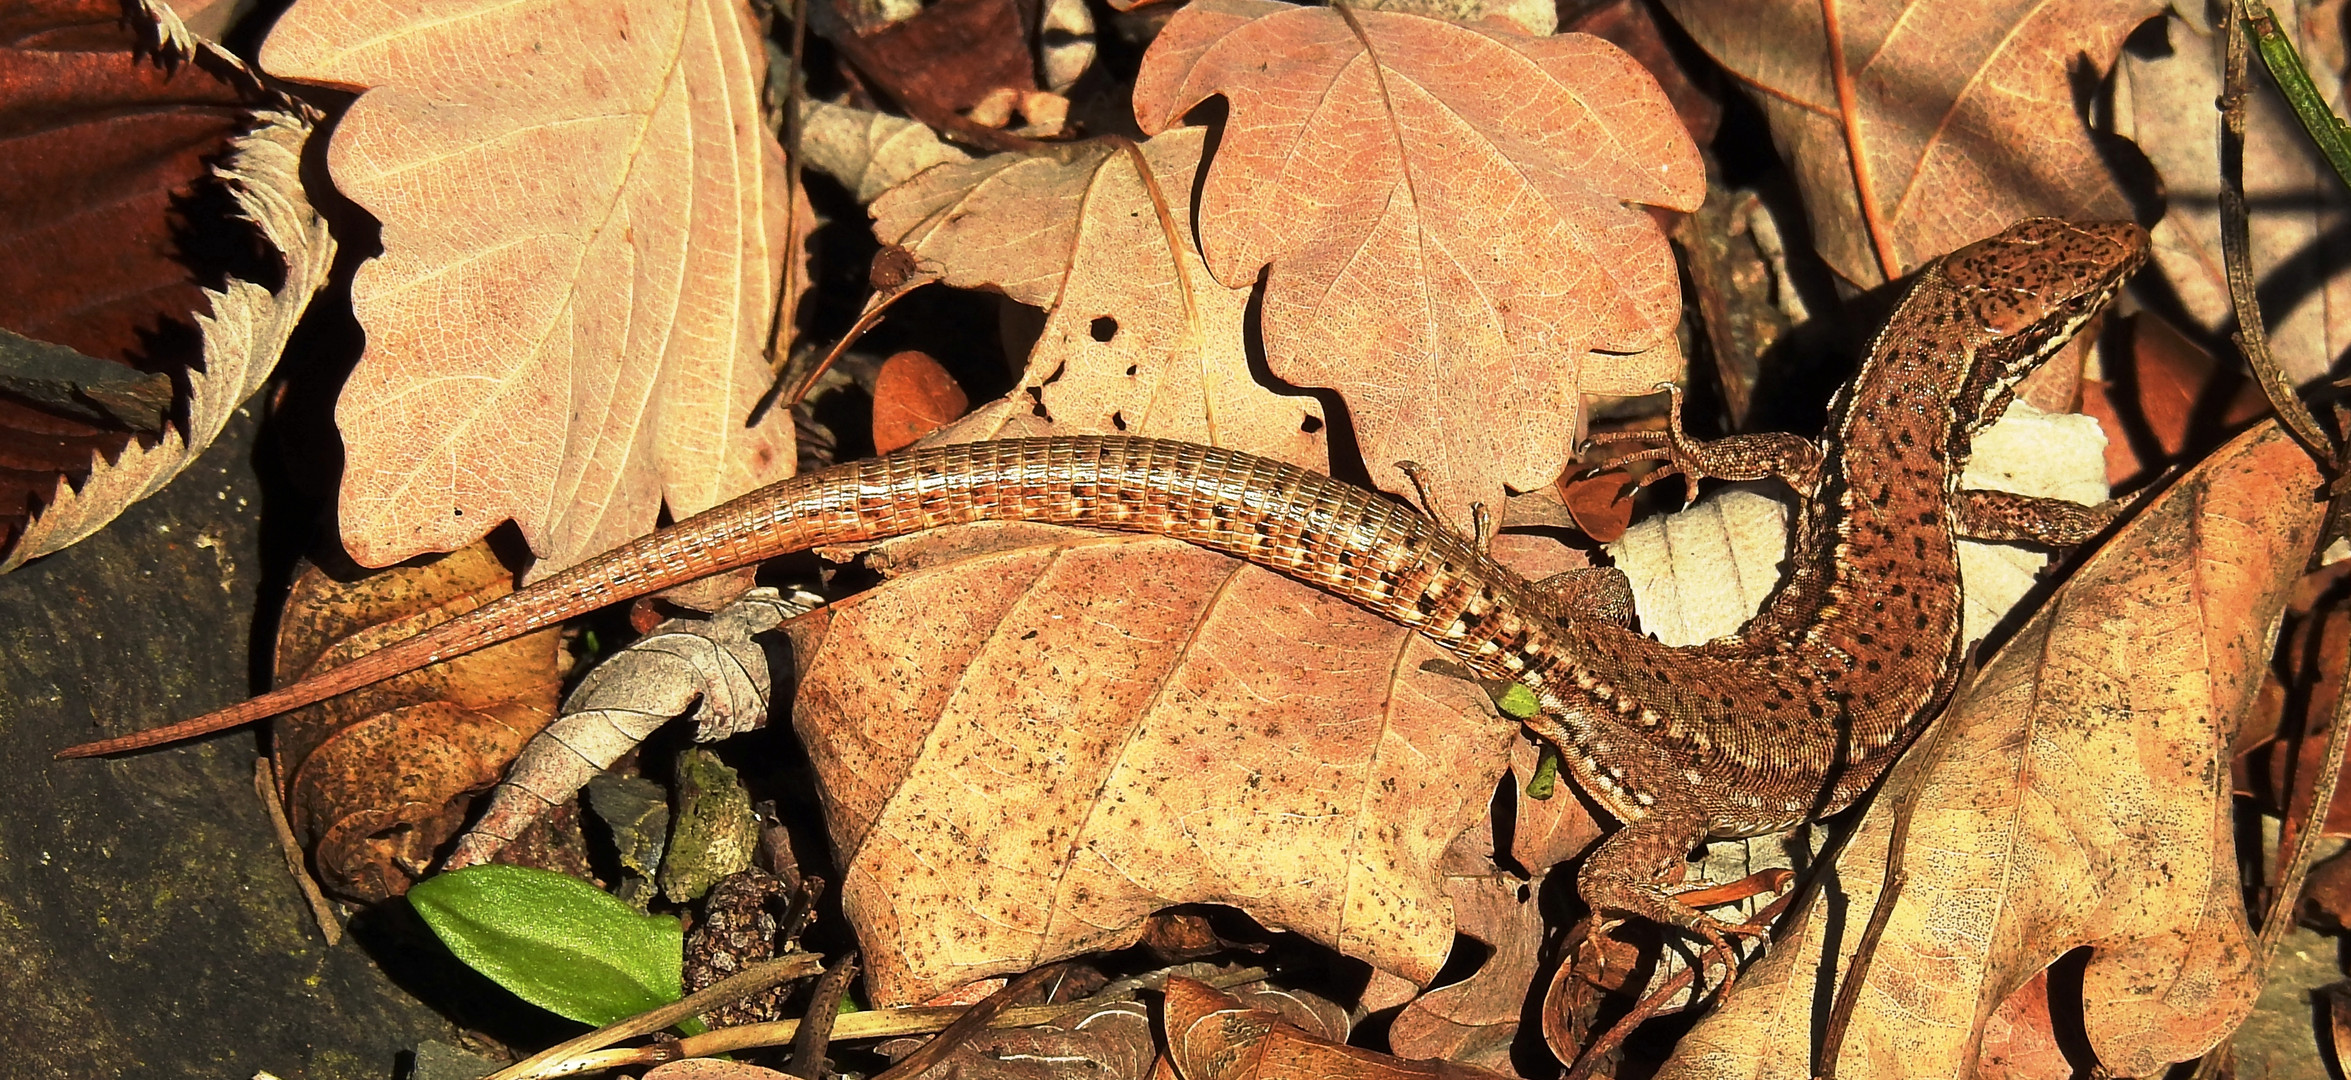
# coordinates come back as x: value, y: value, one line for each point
x: 583, y: 240
x: 1025, y: 748
x: 375, y: 781
x: 1442, y: 216
x: 2075, y: 795
x: 1138, y: 338
x: 1965, y: 116
x: 1476, y: 1021
x: 242, y: 335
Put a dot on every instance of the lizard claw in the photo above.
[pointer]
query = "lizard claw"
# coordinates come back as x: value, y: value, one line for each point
x: 1673, y: 446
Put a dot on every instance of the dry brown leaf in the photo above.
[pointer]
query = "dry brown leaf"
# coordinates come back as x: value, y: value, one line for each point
x: 377, y: 780
x: 112, y: 120
x: 2077, y: 796
x: 583, y: 238
x: 912, y: 397
x: 1445, y: 230
x: 1213, y: 1036
x: 1025, y: 751
x: 1475, y: 1021
x: 1138, y: 338
x: 2296, y: 205
x: 243, y: 336
x: 2020, y: 1039
x: 1967, y: 117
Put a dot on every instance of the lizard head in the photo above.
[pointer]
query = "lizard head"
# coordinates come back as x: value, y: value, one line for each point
x: 2028, y: 290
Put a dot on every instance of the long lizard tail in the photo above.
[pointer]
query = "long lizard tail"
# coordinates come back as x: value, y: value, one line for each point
x: 1351, y: 542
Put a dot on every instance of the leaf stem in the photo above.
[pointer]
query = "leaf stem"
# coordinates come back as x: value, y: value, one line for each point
x: 2292, y: 77
x: 2236, y: 247
x: 1849, y: 117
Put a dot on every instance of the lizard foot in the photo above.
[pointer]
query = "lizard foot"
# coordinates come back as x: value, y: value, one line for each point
x: 1794, y: 460
x: 1628, y: 874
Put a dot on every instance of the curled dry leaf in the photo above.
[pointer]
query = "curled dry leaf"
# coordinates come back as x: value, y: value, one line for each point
x: 2075, y: 795
x: 912, y: 397
x: 111, y: 126
x: 1138, y: 338
x: 715, y: 667
x: 1024, y: 749
x: 1442, y: 208
x: 1966, y: 121
x: 375, y: 781
x: 1213, y: 1036
x: 867, y: 151
x: 585, y: 188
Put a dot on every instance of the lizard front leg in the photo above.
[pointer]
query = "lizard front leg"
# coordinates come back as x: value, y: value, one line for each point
x: 2005, y: 517
x: 1794, y: 460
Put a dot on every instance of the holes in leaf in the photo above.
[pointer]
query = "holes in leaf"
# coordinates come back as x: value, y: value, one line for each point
x: 1103, y: 328
x: 1118, y: 420
x: 1311, y: 424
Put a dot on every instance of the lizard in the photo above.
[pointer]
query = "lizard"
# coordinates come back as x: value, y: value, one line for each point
x: 1790, y: 719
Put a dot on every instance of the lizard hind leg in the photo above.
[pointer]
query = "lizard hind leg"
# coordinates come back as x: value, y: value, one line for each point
x: 1629, y: 873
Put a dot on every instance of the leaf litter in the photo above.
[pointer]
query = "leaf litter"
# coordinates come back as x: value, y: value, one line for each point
x: 1026, y: 742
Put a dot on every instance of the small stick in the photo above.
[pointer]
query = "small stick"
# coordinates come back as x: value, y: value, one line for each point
x: 816, y: 1026
x: 1849, y: 117
x: 265, y: 784
x: 2236, y: 246
x: 971, y: 1023
x: 561, y: 1058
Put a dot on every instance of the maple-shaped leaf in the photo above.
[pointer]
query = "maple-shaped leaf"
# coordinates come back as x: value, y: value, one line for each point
x: 1442, y: 216
x: 1024, y: 751
x: 1139, y: 339
x: 1965, y: 118
x: 2077, y: 794
x: 583, y: 225
x: 117, y: 132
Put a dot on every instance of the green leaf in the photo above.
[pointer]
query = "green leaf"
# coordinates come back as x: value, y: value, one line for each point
x: 1517, y: 702
x: 1546, y: 778
x: 556, y: 941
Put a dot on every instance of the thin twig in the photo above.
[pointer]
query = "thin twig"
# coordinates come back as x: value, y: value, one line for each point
x: 1856, y: 973
x: 972, y: 1022
x: 816, y: 1025
x: 891, y: 1023
x: 2236, y: 246
x: 265, y: 784
x: 780, y: 321
x: 558, y: 1060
